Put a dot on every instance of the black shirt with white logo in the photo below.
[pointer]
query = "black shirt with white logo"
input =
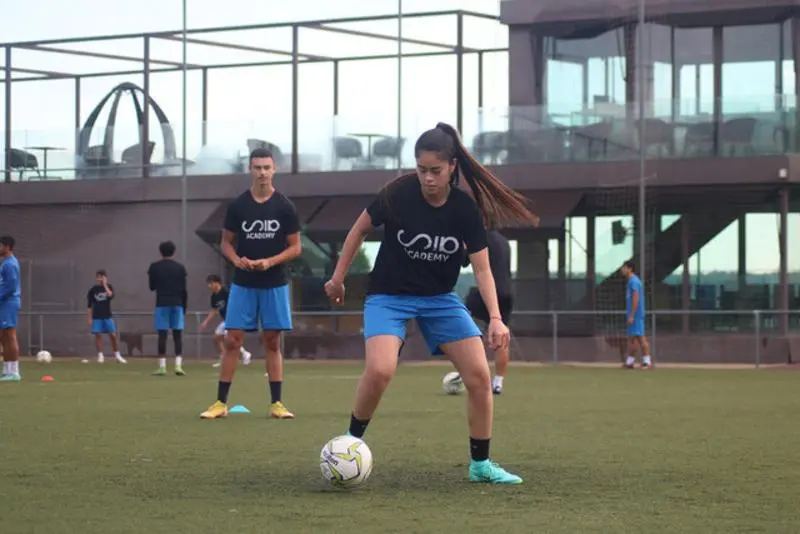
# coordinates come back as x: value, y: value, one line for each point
x: 219, y: 302
x: 262, y: 230
x: 423, y: 246
x: 167, y: 278
x: 500, y: 261
x: 99, y: 301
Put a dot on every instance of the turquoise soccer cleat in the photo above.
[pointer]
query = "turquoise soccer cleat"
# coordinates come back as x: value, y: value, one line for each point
x: 10, y: 378
x: 489, y: 472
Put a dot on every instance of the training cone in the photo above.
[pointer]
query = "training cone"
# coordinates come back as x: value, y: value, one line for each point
x: 47, y: 378
x: 238, y: 409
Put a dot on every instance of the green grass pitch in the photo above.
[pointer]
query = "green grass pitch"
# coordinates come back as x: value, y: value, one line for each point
x: 111, y: 449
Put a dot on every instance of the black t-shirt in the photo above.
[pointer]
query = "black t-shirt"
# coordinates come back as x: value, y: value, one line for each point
x: 500, y: 261
x: 219, y: 302
x: 262, y: 231
x: 99, y: 301
x: 167, y: 278
x: 423, y: 246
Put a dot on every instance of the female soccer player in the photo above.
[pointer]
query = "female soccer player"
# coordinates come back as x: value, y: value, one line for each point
x: 427, y: 220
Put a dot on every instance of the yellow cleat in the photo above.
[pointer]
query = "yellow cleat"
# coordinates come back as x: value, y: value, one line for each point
x: 215, y: 411
x: 278, y: 411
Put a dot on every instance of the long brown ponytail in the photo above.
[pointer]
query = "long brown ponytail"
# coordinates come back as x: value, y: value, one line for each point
x: 499, y: 204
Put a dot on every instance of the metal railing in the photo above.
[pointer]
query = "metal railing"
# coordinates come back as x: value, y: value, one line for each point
x: 66, y: 332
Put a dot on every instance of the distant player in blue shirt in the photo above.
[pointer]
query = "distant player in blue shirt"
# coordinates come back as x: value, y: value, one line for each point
x: 634, y: 317
x: 10, y: 303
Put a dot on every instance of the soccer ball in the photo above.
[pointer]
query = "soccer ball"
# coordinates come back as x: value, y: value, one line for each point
x: 44, y: 357
x: 345, y: 462
x: 452, y: 383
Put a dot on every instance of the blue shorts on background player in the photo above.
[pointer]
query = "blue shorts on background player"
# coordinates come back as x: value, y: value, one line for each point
x: 10, y: 304
x: 635, y: 317
x: 428, y: 220
x: 101, y: 320
x: 167, y: 278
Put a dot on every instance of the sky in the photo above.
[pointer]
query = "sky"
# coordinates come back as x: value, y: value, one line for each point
x: 256, y: 102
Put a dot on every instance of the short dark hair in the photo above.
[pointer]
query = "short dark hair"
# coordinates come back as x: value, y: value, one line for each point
x: 630, y: 265
x: 261, y: 153
x: 8, y: 241
x: 101, y: 272
x: 211, y: 278
x: 167, y: 249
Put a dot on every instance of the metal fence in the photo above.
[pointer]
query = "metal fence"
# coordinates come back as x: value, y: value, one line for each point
x: 543, y: 336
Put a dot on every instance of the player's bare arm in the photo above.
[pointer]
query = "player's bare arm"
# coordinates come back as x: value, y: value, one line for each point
x: 211, y: 314
x: 109, y: 292
x: 634, y: 306
x: 89, y: 310
x: 229, y: 251
x: 334, y: 288
x: 498, y: 332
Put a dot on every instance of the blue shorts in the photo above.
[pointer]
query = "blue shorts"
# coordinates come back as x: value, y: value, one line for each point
x: 441, y: 318
x: 9, y: 314
x: 637, y: 328
x: 250, y: 306
x: 103, y: 326
x: 169, y: 318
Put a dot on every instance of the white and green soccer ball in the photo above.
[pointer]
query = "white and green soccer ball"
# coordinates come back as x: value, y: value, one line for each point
x: 44, y: 356
x: 452, y: 383
x: 345, y: 462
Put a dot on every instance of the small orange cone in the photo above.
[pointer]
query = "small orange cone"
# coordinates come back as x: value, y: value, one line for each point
x: 47, y: 378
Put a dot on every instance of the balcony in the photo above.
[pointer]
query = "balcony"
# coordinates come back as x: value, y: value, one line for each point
x: 519, y: 135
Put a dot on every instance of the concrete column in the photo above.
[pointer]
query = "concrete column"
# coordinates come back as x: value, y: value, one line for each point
x: 686, y: 228
x: 783, y: 246
x: 742, y: 257
x: 532, y: 274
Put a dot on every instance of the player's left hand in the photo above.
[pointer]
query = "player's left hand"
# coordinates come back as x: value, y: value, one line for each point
x: 335, y: 291
x: 262, y: 265
x: 630, y: 320
x: 498, y: 334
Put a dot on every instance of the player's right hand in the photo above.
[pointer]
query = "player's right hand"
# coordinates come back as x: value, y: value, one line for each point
x: 335, y: 291
x: 244, y: 263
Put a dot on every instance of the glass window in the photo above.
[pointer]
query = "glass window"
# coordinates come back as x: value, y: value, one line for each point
x: 750, y: 62
x: 583, y: 76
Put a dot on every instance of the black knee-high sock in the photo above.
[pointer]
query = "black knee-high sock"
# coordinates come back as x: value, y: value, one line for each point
x: 479, y: 449
x: 357, y: 426
x: 162, y: 343
x: 222, y: 391
x: 177, y: 338
x: 275, y: 390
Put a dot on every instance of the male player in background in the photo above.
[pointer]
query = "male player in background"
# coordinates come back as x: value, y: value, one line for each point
x: 100, y: 318
x: 261, y: 234
x: 634, y: 315
x: 167, y: 278
x: 500, y: 263
x: 10, y: 304
x: 219, y: 307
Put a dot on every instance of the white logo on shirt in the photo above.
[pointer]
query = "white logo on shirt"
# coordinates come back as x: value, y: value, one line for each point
x: 261, y: 229
x: 437, y: 248
x: 101, y: 297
